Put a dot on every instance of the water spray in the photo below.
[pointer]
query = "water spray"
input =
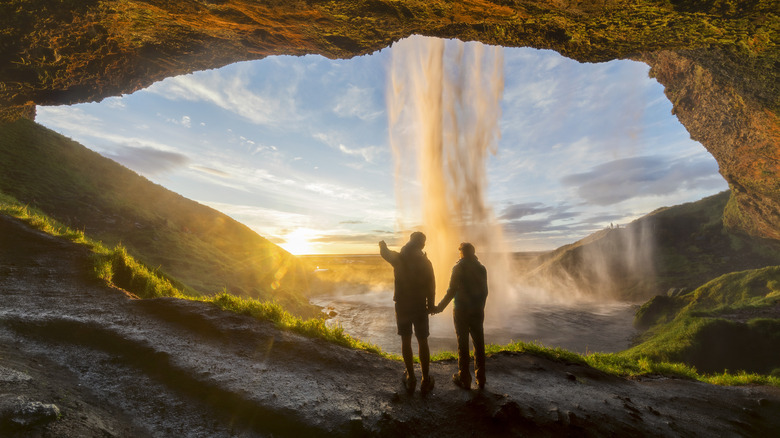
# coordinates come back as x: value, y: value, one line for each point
x: 444, y: 110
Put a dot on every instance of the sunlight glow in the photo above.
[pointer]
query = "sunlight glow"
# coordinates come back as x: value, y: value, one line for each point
x: 298, y: 241
x: 303, y: 142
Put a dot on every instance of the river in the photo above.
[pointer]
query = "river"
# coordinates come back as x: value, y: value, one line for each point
x: 580, y: 327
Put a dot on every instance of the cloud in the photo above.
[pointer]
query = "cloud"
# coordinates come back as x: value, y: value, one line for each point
x: 619, y: 180
x: 517, y: 211
x: 73, y: 120
x: 357, y: 102
x: 336, y: 192
x: 513, y: 216
x: 147, y: 160
x: 185, y: 121
x: 211, y: 171
x: 351, y: 238
x: 232, y: 92
x: 368, y: 154
x: 265, y: 221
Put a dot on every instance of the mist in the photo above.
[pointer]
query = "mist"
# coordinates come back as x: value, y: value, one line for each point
x: 444, y: 108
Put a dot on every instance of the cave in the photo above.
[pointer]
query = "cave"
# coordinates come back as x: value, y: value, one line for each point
x: 718, y: 60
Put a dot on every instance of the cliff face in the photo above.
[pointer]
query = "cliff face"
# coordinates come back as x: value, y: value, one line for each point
x: 717, y: 59
x: 740, y: 132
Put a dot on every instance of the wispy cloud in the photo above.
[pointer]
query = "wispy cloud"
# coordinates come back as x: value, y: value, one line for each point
x: 147, y: 160
x: 616, y: 181
x: 519, y: 211
x: 359, y: 103
x: 232, y: 91
x: 212, y: 171
x: 368, y: 153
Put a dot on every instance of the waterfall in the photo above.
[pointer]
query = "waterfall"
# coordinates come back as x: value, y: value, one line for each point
x: 444, y: 107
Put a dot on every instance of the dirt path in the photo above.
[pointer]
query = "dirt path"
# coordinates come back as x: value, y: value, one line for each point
x: 80, y: 359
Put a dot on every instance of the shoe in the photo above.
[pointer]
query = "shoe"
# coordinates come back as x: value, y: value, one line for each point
x: 409, y: 382
x: 481, y: 386
x: 460, y: 383
x: 426, y: 386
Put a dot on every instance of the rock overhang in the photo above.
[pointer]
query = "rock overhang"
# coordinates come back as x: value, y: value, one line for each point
x: 717, y: 60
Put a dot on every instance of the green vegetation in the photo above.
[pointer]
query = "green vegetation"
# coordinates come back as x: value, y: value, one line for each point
x: 202, y: 250
x: 271, y: 311
x: 96, y: 47
x: 93, y: 198
x: 731, y: 322
x: 116, y: 267
x: 679, y: 247
x: 620, y: 364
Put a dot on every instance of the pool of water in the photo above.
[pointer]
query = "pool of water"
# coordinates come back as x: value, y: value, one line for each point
x: 582, y: 327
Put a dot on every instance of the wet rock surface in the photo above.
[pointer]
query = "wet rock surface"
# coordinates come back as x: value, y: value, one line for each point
x: 115, y: 366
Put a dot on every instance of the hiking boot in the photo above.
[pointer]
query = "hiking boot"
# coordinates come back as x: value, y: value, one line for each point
x: 409, y: 382
x: 426, y: 386
x: 459, y: 382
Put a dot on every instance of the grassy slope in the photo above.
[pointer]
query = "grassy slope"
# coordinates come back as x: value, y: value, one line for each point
x: 115, y: 267
x: 98, y: 196
x: 731, y: 322
x: 204, y: 250
x: 690, y: 245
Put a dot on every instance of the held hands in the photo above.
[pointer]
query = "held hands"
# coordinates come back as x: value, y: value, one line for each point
x: 433, y: 310
x: 382, y: 244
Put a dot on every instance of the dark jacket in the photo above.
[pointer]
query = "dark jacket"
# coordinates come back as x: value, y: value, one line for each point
x: 415, y: 286
x: 468, y: 285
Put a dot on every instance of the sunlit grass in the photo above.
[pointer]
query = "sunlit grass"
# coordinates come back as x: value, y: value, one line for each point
x: 272, y: 311
x: 623, y: 365
x: 39, y: 221
x: 116, y: 267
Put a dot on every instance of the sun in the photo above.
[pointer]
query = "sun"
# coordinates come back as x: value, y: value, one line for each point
x: 298, y: 242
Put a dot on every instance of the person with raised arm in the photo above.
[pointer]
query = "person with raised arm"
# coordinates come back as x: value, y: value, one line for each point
x: 415, y: 294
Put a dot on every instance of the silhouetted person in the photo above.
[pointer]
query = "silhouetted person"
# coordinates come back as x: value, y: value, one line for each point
x: 468, y: 286
x: 415, y: 292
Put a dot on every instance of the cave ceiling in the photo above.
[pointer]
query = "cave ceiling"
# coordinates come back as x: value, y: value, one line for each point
x: 717, y: 59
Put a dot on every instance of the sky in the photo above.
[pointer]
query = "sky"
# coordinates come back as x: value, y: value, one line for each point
x: 297, y: 148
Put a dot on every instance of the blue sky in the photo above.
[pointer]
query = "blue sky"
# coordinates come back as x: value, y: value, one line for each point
x: 297, y: 147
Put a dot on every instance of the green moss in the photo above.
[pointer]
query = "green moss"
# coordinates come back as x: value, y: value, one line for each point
x: 648, y: 359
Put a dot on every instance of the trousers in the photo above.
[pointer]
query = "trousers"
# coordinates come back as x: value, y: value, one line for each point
x: 468, y: 323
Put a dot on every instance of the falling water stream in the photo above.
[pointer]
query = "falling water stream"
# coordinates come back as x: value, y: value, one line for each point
x: 444, y: 109
x: 444, y: 106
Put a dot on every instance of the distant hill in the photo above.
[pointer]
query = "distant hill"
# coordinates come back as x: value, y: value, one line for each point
x: 679, y: 247
x: 195, y: 245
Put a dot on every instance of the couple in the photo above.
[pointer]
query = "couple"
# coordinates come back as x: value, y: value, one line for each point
x: 415, y: 292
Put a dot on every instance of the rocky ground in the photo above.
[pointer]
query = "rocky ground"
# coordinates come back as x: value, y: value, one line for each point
x: 83, y: 360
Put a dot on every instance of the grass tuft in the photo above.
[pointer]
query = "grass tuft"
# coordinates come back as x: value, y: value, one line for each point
x: 116, y: 267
